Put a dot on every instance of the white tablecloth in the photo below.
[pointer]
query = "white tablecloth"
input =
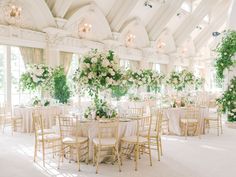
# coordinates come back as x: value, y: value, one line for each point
x: 174, y: 115
x: 48, y: 113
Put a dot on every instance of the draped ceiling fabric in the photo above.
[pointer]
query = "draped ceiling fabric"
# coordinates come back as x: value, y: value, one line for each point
x: 32, y: 55
x: 65, y: 60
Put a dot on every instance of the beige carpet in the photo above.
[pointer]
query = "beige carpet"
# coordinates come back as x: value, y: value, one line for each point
x: 212, y: 156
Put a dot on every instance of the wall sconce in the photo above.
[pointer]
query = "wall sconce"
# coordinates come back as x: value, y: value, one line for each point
x: 161, y: 45
x: 130, y: 39
x: 13, y: 13
x: 85, y: 28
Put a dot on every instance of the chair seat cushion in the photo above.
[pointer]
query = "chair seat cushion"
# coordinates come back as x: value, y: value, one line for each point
x: 72, y: 140
x: 145, y: 133
x: 133, y: 139
x: 189, y: 120
x: 50, y: 137
x: 105, y: 141
x: 16, y: 118
x: 46, y: 131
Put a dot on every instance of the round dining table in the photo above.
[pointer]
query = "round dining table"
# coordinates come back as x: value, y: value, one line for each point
x: 174, y: 115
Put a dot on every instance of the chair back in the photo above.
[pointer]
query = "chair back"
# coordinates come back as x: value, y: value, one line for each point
x: 38, y: 124
x: 135, y: 111
x: 68, y: 125
x: 108, y: 129
x: 191, y: 113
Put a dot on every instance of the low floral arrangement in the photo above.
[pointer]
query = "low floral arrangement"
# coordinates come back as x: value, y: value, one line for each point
x: 98, y: 71
x: 37, y: 102
x: 226, y: 49
x: 228, y: 101
x: 100, y: 110
x: 180, y: 80
x: 36, y: 76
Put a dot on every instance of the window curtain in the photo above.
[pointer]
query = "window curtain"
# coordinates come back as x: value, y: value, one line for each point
x: 150, y: 66
x: 65, y: 60
x: 134, y: 65
x: 32, y: 55
x: 163, y: 68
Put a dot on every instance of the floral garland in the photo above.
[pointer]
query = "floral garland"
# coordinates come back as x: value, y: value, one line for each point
x: 228, y: 101
x: 36, y: 76
x: 226, y: 50
x: 99, y: 71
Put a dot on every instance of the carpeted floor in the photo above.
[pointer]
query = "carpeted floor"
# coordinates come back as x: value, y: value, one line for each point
x: 211, y: 156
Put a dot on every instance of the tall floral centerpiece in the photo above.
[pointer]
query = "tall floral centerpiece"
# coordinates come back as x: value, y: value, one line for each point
x: 36, y: 77
x: 99, y: 71
x: 181, y: 80
x: 147, y: 78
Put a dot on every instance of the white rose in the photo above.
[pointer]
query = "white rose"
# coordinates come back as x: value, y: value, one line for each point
x: 94, y: 60
x: 35, y: 78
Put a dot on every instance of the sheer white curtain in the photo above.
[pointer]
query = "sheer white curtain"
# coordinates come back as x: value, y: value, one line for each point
x: 32, y: 55
x: 65, y: 60
x: 134, y: 65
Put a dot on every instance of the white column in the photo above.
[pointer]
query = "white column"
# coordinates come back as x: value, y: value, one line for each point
x: 8, y: 77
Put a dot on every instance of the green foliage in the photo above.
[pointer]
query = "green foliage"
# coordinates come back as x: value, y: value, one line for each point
x: 61, y: 90
x: 26, y: 82
x: 226, y: 50
x: 118, y: 91
x: 228, y: 101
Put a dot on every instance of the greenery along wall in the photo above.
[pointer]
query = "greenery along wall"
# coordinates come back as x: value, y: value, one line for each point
x: 226, y: 51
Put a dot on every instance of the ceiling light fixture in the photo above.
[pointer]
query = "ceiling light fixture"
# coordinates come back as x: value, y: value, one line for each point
x: 161, y: 44
x: 13, y: 13
x: 85, y: 28
x: 130, y: 39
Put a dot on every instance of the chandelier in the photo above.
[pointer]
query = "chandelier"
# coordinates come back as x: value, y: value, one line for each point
x: 130, y: 39
x: 85, y: 28
x: 13, y: 14
x: 161, y: 44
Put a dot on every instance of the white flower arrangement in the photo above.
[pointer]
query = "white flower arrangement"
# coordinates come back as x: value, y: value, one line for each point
x: 36, y: 76
x: 98, y: 71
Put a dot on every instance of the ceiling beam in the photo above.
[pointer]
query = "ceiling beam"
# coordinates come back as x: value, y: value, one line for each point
x: 194, y: 19
x: 220, y: 17
x: 60, y: 7
x: 162, y: 17
x: 119, y: 13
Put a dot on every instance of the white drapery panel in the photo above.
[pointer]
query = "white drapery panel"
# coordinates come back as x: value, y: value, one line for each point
x: 65, y: 60
x: 32, y: 55
x: 150, y: 66
x: 134, y: 65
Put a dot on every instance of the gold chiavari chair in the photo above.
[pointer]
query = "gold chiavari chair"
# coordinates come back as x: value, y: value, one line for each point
x: 107, y: 139
x: 70, y: 139
x: 214, y: 121
x: 44, y: 140
x: 190, y: 121
x: 8, y: 119
x: 154, y: 137
x: 137, y: 141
